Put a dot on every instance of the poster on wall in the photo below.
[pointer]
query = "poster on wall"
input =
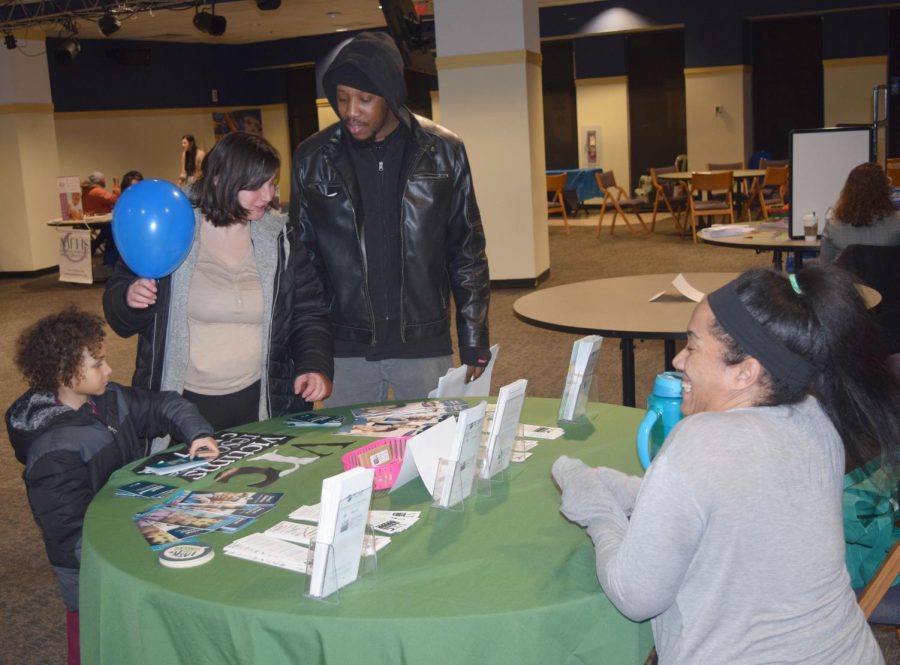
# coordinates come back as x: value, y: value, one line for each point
x: 241, y: 120
x: 69, y: 188
x: 75, y: 256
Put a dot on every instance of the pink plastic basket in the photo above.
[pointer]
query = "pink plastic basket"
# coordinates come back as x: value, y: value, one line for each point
x: 385, y: 474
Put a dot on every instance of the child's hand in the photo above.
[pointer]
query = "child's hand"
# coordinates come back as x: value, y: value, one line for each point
x: 141, y: 294
x: 205, y: 447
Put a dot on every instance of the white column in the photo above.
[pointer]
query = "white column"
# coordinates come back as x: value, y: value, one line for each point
x: 489, y: 73
x: 30, y: 162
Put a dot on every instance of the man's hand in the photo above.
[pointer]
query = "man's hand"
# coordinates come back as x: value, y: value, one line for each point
x: 205, y: 447
x: 141, y: 294
x: 473, y: 372
x: 312, y: 386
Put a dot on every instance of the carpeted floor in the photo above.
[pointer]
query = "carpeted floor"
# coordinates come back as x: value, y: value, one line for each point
x: 31, y: 613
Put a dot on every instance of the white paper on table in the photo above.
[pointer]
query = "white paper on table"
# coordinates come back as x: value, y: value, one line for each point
x: 684, y: 288
x: 423, y: 452
x: 342, y: 525
x: 453, y: 383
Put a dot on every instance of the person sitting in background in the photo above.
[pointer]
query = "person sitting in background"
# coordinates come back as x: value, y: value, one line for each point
x: 732, y: 544
x: 95, y: 198
x: 863, y: 215
x: 73, y: 428
x: 130, y: 178
x: 105, y: 237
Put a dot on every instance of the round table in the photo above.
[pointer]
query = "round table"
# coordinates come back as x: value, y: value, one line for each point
x: 508, y: 580
x: 765, y: 236
x: 620, y: 307
x: 739, y: 174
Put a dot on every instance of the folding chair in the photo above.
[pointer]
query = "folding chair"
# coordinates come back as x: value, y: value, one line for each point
x: 557, y: 203
x: 616, y: 196
x: 704, y: 181
x: 665, y: 192
x: 769, y: 193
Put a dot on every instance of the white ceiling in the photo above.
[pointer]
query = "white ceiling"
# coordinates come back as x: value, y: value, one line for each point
x: 247, y: 24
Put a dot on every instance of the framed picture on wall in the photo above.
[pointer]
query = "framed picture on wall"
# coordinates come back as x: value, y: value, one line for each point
x: 241, y: 120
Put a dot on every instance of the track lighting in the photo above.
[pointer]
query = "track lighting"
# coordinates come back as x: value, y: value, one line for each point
x: 10, y: 40
x: 108, y: 24
x: 210, y: 23
x: 267, y: 5
x: 67, y: 50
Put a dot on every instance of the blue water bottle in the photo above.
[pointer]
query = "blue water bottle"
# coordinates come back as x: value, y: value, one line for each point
x: 663, y: 412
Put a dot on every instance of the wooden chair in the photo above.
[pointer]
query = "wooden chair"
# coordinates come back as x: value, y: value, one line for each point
x: 879, y: 601
x: 739, y: 186
x: 557, y: 203
x: 706, y: 182
x: 893, y: 172
x: 666, y: 192
x: 618, y: 198
x: 769, y: 193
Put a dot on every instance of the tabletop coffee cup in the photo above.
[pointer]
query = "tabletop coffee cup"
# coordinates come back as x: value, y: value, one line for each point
x: 810, y: 228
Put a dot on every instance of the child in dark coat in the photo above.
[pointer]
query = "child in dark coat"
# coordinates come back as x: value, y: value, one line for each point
x: 73, y: 428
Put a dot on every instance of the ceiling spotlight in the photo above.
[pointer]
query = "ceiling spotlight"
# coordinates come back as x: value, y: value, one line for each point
x: 10, y: 40
x: 210, y: 23
x: 67, y: 50
x: 108, y: 24
x: 268, y: 5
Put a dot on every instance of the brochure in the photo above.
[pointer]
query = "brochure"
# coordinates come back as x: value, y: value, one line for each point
x: 342, y: 524
x: 271, y: 551
x: 395, y: 420
x: 170, y: 464
x: 311, y: 419
x: 304, y: 534
x: 463, y: 457
x: 582, y: 366
x: 502, y: 435
x: 146, y: 489
x: 453, y: 383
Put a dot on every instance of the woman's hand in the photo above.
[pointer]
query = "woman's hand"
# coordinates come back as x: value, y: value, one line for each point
x: 205, y: 447
x: 312, y: 386
x: 141, y: 293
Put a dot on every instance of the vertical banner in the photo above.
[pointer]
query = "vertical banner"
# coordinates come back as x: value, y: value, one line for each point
x: 75, y: 256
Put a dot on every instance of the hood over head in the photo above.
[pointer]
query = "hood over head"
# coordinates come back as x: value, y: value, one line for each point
x: 372, y: 63
x: 29, y: 416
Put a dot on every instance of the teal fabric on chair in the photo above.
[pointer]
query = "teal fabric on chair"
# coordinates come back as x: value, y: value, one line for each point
x: 871, y: 509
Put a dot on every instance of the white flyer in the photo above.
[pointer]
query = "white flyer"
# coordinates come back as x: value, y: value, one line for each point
x: 503, y: 428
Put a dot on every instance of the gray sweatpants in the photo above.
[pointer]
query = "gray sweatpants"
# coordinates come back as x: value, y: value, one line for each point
x: 361, y: 381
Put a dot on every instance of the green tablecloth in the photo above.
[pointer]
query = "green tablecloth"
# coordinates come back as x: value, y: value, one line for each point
x: 508, y: 580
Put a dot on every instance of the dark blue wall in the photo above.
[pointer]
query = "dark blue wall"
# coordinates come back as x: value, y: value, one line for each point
x: 183, y: 75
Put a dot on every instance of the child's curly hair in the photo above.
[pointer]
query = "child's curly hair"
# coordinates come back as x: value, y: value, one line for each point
x: 49, y: 353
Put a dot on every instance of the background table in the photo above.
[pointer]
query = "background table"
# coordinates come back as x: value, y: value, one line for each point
x: 620, y: 307
x: 580, y: 181
x: 765, y: 237
x: 739, y: 174
x: 507, y: 581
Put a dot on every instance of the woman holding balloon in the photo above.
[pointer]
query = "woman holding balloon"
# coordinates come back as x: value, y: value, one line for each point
x: 239, y: 327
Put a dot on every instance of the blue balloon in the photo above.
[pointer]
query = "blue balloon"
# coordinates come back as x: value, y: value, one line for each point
x: 153, y: 226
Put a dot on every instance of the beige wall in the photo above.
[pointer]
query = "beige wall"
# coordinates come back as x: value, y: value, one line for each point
x: 848, y: 84
x: 325, y: 113
x: 27, y: 189
x: 718, y: 137
x: 603, y: 103
x: 150, y: 141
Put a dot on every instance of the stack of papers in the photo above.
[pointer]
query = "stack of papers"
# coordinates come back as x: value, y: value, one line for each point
x: 385, y: 521
x: 271, y: 551
x: 722, y: 230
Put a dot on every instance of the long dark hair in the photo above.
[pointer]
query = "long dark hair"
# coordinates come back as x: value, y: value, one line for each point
x: 190, y: 155
x: 829, y: 325
x: 238, y: 161
x: 865, y: 197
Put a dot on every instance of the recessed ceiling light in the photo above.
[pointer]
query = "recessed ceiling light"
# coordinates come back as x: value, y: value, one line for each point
x: 332, y: 15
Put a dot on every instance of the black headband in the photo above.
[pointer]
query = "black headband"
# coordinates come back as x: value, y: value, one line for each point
x: 754, y: 339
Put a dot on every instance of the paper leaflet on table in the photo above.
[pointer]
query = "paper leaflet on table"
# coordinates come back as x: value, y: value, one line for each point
x: 385, y: 521
x: 423, y: 452
x: 725, y: 230
x: 453, y: 383
x: 684, y: 288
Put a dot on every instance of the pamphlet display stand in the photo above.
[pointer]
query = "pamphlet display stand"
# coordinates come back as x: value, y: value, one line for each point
x: 368, y: 566
x: 579, y: 414
x: 449, y: 492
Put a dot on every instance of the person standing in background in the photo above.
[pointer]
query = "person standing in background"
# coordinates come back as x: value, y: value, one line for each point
x: 385, y: 205
x: 191, y: 161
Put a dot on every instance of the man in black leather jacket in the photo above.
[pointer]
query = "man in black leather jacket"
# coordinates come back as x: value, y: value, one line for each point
x: 385, y: 205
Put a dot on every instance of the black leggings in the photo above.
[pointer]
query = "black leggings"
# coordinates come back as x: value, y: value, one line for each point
x: 224, y: 411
